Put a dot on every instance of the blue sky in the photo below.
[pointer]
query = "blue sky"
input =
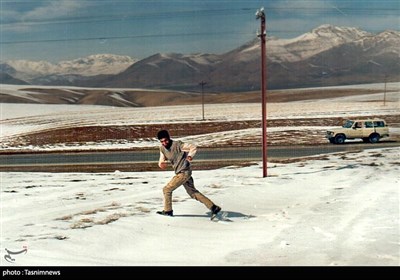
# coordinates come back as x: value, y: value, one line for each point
x: 68, y: 29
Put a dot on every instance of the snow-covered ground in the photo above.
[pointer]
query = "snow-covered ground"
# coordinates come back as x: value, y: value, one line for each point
x: 338, y: 209
x: 20, y: 119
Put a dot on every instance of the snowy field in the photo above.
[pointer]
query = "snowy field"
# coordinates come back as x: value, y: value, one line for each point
x: 21, y: 119
x: 339, y: 209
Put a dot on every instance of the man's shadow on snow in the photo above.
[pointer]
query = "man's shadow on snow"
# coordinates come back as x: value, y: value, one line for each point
x: 226, y: 214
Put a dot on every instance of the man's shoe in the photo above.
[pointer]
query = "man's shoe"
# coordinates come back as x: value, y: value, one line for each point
x: 215, y: 209
x: 166, y: 213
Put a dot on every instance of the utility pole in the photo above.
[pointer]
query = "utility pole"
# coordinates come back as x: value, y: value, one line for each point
x: 202, y: 83
x: 385, y: 79
x: 384, y: 92
x: 261, y: 15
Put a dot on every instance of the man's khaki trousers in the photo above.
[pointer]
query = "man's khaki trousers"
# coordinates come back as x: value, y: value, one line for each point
x: 186, y: 180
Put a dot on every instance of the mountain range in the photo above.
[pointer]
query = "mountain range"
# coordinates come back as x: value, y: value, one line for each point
x: 327, y: 55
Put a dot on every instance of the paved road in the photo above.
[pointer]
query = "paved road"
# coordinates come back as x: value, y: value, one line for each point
x: 242, y: 154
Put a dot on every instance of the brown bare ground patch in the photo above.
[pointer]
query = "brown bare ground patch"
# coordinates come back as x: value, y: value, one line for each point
x: 143, y: 98
x: 65, y: 218
x: 114, y: 133
x: 298, y: 159
x: 109, y: 219
x: 78, y: 225
x: 86, y: 220
x: 143, y: 209
x: 91, y: 212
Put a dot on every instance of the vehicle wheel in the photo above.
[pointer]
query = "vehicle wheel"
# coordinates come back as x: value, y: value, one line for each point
x: 339, y: 139
x: 374, y: 138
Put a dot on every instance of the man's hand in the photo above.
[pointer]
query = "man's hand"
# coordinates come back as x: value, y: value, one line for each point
x: 163, y: 165
x: 189, y: 158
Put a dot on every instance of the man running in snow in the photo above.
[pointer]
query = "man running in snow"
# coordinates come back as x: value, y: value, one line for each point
x: 180, y: 155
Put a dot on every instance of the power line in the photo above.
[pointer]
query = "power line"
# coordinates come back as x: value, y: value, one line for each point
x: 102, y: 38
x: 135, y: 16
x: 105, y: 38
x: 209, y: 12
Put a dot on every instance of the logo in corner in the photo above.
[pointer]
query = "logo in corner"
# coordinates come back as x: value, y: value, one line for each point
x: 10, y: 259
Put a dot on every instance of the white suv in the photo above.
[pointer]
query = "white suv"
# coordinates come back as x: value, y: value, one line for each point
x: 370, y: 130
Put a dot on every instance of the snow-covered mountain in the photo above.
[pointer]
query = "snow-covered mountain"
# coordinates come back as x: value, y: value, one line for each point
x: 89, y: 66
x: 8, y: 79
x: 318, y: 40
x: 327, y: 55
x: 309, y: 44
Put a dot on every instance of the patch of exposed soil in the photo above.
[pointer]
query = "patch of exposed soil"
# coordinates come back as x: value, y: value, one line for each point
x: 143, y: 98
x: 114, y: 133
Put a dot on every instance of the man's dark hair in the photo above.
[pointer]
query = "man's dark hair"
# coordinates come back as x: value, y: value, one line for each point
x: 162, y: 134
